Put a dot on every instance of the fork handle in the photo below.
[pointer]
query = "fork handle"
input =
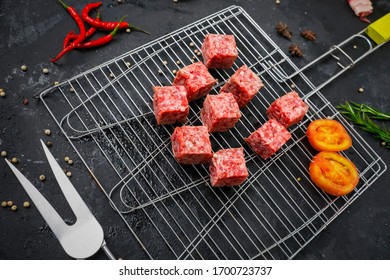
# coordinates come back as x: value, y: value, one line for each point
x: 107, y: 251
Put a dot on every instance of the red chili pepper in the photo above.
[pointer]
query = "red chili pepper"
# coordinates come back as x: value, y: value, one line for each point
x: 103, y: 40
x: 105, y: 25
x: 72, y: 36
x: 72, y: 11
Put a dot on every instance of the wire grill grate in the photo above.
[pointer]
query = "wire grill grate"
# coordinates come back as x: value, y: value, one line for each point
x: 109, y: 121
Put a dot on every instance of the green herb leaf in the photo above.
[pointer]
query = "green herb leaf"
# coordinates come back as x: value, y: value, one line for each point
x: 362, y: 115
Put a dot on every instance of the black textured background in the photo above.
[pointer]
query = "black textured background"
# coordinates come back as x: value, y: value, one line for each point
x: 32, y: 31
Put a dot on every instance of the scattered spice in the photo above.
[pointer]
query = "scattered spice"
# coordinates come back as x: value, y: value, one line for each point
x: 26, y: 204
x: 69, y: 174
x: 2, y: 93
x: 14, y: 160
x: 42, y: 178
x: 355, y: 47
x: 178, y: 62
x: 10, y: 203
x: 174, y: 71
x: 175, y: 1
x: 56, y: 83
x: 128, y: 64
x: 282, y: 29
x: 159, y: 71
x: 196, y: 51
x: 70, y: 162
x: 45, y: 71
x: 49, y: 144
x: 47, y: 132
x: 299, y: 179
x: 199, y: 53
x: 165, y: 62
x: 383, y: 143
x: 4, y: 153
x: 71, y: 89
x: 128, y: 30
x: 277, y: 2
x: 25, y: 101
x: 112, y: 75
x: 292, y: 86
x: 14, y: 208
x: 192, y: 44
x: 66, y: 159
x: 295, y: 50
x: 23, y: 67
x: 4, y: 204
x: 119, y: 1
x: 309, y: 35
x: 361, y: 90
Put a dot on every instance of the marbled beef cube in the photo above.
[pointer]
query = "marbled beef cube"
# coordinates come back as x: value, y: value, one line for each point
x: 170, y: 104
x: 228, y: 168
x: 191, y: 145
x: 196, y: 79
x: 220, y: 112
x: 268, y: 139
x: 219, y: 51
x: 288, y: 109
x: 243, y: 84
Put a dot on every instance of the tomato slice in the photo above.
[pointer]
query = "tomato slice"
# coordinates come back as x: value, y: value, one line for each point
x: 333, y: 173
x: 328, y: 135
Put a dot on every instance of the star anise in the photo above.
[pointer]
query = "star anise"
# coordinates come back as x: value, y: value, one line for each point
x: 309, y: 35
x: 295, y: 50
x: 282, y: 29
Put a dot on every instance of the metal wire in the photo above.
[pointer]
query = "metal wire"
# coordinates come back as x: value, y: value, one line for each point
x: 171, y: 210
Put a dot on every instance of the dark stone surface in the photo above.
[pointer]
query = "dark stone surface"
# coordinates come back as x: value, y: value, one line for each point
x: 32, y: 31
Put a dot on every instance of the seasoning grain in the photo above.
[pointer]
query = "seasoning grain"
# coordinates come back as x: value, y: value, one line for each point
x: 45, y: 71
x: 361, y: 90
x: 2, y: 93
x: 14, y: 160
x: 4, y: 204
x: 42, y: 178
x: 69, y: 174
x: 23, y: 68
x: 10, y: 203
x: 47, y: 132
x: 4, y: 153
x: 26, y: 204
x: 14, y: 208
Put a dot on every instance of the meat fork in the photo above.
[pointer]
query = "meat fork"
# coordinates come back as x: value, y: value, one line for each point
x: 80, y: 240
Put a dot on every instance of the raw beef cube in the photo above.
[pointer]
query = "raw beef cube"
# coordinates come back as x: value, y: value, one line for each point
x: 220, y: 112
x: 227, y: 168
x: 243, y: 84
x: 191, y: 145
x: 196, y: 79
x: 267, y: 139
x: 288, y: 109
x: 170, y: 104
x: 219, y: 51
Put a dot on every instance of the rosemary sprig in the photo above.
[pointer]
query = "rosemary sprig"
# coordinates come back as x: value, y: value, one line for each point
x: 371, y: 112
x: 362, y: 115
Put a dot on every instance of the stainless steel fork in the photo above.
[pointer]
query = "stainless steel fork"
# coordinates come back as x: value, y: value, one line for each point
x: 80, y: 240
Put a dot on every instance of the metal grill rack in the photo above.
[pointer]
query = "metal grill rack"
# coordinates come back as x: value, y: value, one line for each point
x: 170, y: 209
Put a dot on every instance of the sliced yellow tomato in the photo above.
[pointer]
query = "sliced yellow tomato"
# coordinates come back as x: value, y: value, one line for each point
x: 333, y: 173
x: 328, y: 135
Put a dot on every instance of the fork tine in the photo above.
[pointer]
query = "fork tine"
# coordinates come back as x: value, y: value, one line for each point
x: 52, y: 218
x: 76, y: 203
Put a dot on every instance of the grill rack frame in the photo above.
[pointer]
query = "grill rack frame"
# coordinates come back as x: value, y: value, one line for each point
x: 268, y: 231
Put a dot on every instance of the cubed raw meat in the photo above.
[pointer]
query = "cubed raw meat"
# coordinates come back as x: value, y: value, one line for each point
x: 191, y: 145
x: 268, y: 139
x: 219, y: 51
x: 196, y: 79
x: 220, y: 112
x: 288, y: 109
x: 243, y: 84
x: 170, y: 104
x: 228, y: 168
